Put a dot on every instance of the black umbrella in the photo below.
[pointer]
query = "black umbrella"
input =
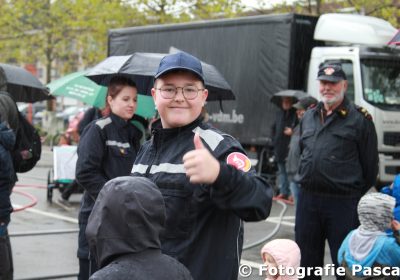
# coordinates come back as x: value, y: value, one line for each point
x: 22, y: 85
x: 141, y: 67
x: 295, y: 94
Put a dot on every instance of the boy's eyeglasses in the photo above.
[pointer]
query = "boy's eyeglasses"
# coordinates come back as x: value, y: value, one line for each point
x: 189, y: 92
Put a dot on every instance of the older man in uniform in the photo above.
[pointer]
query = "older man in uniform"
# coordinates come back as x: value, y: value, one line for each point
x: 338, y: 165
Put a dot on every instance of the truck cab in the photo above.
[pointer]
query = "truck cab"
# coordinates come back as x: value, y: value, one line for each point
x: 373, y: 73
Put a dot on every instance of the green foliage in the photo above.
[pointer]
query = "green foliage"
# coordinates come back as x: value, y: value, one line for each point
x: 385, y: 9
x: 171, y: 11
x: 66, y: 35
x: 203, y: 9
x: 60, y: 33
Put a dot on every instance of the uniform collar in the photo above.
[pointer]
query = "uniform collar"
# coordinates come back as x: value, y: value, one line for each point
x: 118, y: 120
x: 166, y: 132
x: 342, y: 110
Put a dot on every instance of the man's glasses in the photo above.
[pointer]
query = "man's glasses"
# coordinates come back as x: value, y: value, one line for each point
x: 189, y: 92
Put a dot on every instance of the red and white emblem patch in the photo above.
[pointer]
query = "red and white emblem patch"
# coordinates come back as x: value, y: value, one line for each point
x: 329, y: 71
x: 239, y: 160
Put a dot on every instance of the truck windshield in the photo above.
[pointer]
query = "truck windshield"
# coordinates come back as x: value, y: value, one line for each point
x: 381, y: 83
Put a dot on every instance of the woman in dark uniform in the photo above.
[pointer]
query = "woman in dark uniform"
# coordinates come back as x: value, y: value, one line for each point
x: 107, y: 149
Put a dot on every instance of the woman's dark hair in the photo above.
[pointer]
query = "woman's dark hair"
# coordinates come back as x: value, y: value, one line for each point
x: 117, y: 83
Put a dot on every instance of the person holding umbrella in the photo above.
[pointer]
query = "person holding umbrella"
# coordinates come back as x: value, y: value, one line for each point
x: 293, y: 158
x: 107, y: 149
x: 206, y: 180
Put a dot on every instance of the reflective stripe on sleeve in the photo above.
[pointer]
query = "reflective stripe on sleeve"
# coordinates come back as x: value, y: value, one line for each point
x: 139, y: 168
x: 164, y: 167
x: 212, y: 138
x: 118, y: 144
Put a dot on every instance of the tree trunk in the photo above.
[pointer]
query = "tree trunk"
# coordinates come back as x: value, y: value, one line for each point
x: 50, y: 103
x: 309, y: 7
x: 318, y: 11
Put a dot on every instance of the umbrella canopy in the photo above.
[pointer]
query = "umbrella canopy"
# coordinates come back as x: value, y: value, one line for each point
x: 21, y: 84
x: 141, y: 67
x: 295, y: 94
x: 78, y: 86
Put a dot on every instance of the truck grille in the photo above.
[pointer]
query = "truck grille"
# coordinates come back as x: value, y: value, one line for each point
x: 391, y: 138
x: 393, y: 155
x: 392, y: 170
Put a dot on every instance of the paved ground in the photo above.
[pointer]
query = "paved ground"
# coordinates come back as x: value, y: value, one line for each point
x: 54, y: 254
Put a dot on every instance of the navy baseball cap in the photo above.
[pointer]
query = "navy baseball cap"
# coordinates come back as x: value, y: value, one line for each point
x: 331, y: 72
x: 180, y: 61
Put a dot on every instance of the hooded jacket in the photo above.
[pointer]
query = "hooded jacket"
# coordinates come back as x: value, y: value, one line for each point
x: 7, y: 174
x: 369, y: 245
x: 123, y: 232
x: 203, y: 228
x: 286, y: 253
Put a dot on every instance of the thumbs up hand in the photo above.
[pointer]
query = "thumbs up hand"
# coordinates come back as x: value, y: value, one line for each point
x: 198, y: 145
x: 201, y: 166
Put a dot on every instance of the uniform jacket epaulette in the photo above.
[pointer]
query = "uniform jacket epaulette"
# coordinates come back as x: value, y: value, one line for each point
x: 217, y: 140
x: 103, y: 122
x: 364, y: 112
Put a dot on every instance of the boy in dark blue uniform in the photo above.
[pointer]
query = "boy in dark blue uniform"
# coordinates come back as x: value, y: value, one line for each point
x: 205, y: 178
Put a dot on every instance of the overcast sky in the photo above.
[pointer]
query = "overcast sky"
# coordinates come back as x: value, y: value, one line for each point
x: 256, y: 3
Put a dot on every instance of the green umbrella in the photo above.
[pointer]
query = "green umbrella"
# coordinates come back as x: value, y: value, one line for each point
x: 77, y: 86
x: 145, y: 106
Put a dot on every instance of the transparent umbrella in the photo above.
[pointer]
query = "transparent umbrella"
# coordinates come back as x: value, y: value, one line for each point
x: 295, y: 94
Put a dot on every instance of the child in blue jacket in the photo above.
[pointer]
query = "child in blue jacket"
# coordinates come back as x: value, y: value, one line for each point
x: 394, y: 190
x: 369, y: 248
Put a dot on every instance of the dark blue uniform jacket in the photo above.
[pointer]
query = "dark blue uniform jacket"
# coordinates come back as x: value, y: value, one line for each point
x: 204, y: 228
x: 7, y: 141
x: 107, y: 149
x: 281, y: 141
x: 339, y: 152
